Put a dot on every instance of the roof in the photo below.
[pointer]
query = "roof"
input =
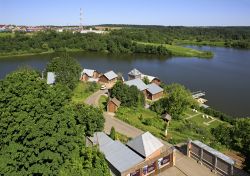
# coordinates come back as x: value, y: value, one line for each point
x: 150, y: 78
x: 88, y: 72
x: 117, y: 154
x: 214, y: 152
x: 138, y: 83
x: 154, y: 88
x: 145, y: 144
x: 117, y: 102
x: 134, y: 72
x: 110, y: 75
x: 51, y: 78
x: 166, y: 116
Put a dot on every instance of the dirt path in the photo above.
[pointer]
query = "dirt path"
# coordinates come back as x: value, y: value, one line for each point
x: 120, y: 126
x: 94, y: 98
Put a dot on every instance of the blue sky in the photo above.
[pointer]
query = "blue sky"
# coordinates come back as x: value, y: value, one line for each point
x: 157, y: 12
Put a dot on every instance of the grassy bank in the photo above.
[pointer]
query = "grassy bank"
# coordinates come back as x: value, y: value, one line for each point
x: 199, y: 43
x: 182, y: 51
x: 191, y: 125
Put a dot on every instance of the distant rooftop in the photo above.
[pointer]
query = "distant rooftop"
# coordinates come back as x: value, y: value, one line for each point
x: 88, y: 72
x: 145, y: 144
x: 111, y: 75
x: 134, y: 72
x: 154, y: 88
x: 138, y: 83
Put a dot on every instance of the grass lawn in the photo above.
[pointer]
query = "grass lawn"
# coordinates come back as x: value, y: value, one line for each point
x: 182, y: 51
x: 83, y: 90
x: 143, y: 119
x: 178, y: 131
x: 103, y: 102
x: 197, y: 118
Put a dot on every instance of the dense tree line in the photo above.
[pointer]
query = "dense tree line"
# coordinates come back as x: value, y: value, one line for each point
x: 235, y: 136
x: 53, y: 41
x: 129, y: 96
x: 236, y: 37
x: 125, y: 40
x: 42, y: 133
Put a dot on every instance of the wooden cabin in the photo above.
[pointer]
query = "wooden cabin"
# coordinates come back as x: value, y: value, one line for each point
x: 113, y: 105
x: 154, y: 92
x: 109, y: 79
x: 89, y: 75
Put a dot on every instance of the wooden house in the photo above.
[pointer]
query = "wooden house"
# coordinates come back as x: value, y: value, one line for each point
x: 89, y: 75
x: 154, y: 92
x: 109, y: 79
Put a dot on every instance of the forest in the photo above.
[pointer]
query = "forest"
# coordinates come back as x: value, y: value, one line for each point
x: 157, y: 40
x: 42, y: 131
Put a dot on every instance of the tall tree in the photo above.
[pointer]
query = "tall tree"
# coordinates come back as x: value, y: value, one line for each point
x: 67, y: 70
x: 39, y: 133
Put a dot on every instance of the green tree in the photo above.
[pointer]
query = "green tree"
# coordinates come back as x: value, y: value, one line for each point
x: 67, y: 70
x: 38, y: 130
x: 146, y: 80
x: 129, y: 96
x: 89, y: 117
x: 113, y: 133
x: 178, y: 100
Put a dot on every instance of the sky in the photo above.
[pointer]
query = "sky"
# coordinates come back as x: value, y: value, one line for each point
x: 143, y: 12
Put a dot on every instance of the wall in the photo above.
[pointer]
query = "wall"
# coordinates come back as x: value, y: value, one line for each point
x: 111, y: 107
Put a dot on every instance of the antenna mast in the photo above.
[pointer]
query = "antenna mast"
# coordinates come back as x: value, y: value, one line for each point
x: 81, y: 24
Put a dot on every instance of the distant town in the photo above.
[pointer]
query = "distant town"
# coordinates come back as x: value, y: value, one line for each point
x: 23, y: 28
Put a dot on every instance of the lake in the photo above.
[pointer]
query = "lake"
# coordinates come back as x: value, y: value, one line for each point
x: 225, y: 78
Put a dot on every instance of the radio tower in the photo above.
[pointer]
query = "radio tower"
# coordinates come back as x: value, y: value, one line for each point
x: 81, y: 27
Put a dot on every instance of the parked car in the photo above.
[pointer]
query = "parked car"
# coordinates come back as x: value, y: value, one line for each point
x: 103, y: 87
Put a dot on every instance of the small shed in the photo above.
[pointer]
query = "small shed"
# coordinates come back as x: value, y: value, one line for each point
x: 167, y: 118
x: 113, y: 105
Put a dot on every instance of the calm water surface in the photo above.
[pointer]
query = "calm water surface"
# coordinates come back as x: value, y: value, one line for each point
x: 225, y: 78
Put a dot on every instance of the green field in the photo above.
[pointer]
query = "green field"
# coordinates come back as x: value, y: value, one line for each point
x: 83, y: 90
x: 182, y: 51
x: 202, y: 43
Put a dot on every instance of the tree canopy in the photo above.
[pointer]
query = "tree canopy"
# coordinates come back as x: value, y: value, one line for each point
x: 129, y: 96
x: 178, y: 100
x: 236, y: 136
x: 40, y: 133
x: 67, y: 70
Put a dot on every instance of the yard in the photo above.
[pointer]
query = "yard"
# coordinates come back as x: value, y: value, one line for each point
x: 191, y: 126
x: 83, y: 90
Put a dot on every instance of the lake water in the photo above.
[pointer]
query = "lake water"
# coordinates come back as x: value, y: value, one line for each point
x: 225, y: 78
